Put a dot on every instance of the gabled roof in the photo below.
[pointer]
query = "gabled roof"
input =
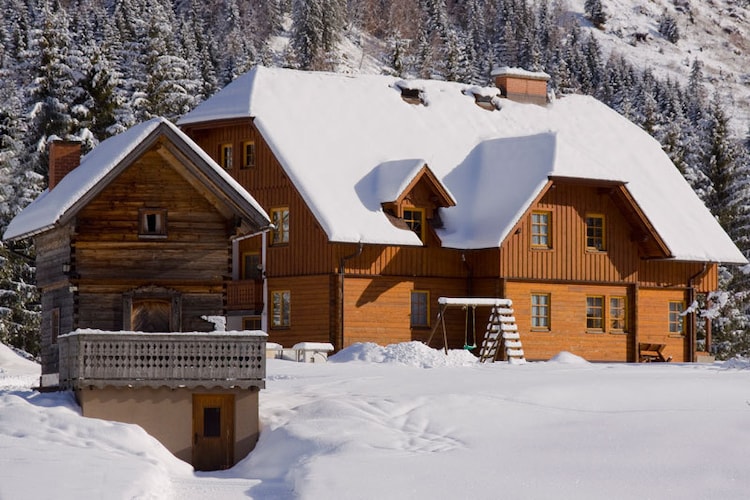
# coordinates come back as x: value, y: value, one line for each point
x: 331, y: 131
x: 391, y: 181
x: 107, y: 160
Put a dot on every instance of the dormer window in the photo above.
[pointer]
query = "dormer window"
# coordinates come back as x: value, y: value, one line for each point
x: 414, y: 218
x: 152, y: 223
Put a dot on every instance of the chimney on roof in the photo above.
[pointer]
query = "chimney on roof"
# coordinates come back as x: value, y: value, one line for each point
x: 521, y: 85
x: 64, y: 156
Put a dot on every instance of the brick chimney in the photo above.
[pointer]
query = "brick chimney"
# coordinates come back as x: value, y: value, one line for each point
x: 521, y: 85
x: 64, y: 156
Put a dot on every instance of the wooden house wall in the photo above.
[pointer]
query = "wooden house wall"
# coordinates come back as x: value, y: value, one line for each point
x: 569, y: 260
x: 653, y: 321
x: 389, y: 300
x: 270, y: 186
x: 310, y: 310
x: 53, y: 252
x: 109, y: 257
x: 567, y: 330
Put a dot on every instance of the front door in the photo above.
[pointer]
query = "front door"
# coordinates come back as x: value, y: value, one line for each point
x: 213, y: 431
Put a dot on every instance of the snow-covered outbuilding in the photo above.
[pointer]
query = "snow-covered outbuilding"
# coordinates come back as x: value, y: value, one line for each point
x: 387, y: 194
x: 133, y: 250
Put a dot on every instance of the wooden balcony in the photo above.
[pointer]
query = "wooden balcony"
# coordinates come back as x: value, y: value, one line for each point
x: 245, y: 295
x: 126, y: 359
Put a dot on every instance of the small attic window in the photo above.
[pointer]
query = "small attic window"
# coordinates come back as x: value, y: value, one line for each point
x: 410, y: 92
x: 411, y: 96
x: 152, y: 223
x: 484, y: 97
x: 485, y: 102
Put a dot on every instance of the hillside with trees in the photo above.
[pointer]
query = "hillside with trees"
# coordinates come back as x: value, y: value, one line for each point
x: 88, y: 69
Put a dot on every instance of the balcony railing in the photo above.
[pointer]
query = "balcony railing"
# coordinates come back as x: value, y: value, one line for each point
x: 245, y: 294
x: 126, y: 359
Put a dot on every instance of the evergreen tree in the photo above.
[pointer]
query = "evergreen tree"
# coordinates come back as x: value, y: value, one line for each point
x: 668, y: 27
x: 595, y: 12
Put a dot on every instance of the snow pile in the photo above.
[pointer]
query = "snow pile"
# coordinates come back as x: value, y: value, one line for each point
x: 568, y: 358
x: 407, y: 353
x: 384, y: 429
x: 16, y: 371
x: 737, y: 363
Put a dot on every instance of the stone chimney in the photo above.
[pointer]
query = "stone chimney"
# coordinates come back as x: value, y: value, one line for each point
x: 521, y: 85
x: 64, y: 156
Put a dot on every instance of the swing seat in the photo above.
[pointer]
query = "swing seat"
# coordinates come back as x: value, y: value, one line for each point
x: 470, y: 347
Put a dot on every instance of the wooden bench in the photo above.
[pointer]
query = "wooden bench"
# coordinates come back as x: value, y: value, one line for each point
x: 652, y: 352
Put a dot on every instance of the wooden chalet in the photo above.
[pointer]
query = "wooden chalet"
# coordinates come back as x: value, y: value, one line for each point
x: 134, y: 259
x: 388, y: 194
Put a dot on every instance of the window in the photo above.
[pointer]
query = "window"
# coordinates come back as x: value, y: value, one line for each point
x: 420, y: 309
x: 595, y: 313
x: 55, y: 324
x: 152, y: 223
x: 595, y: 232
x: 280, y: 303
x: 248, y: 154
x: 414, y: 218
x: 280, y: 220
x: 617, y: 314
x: 540, y: 311
x: 676, y: 324
x: 225, y: 156
x: 540, y: 229
x: 251, y: 323
x: 251, y: 266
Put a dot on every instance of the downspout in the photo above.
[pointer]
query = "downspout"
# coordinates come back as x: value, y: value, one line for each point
x: 339, y: 341
x: 692, y: 330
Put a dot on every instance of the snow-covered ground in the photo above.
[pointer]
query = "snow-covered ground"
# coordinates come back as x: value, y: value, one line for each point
x: 408, y: 422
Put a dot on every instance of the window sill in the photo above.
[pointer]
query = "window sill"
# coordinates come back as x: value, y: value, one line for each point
x: 676, y: 336
x: 280, y: 327
x: 152, y: 236
x: 596, y: 332
x: 420, y: 327
x: 541, y: 330
x: 541, y: 248
x: 618, y: 332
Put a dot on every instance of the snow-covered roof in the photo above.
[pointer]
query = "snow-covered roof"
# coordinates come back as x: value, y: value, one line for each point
x: 53, y: 206
x: 520, y: 72
x: 330, y: 132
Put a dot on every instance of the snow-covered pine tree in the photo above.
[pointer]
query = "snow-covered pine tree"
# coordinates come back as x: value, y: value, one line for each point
x: 595, y: 12
x: 668, y: 27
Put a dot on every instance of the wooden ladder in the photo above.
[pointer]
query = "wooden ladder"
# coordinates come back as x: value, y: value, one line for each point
x: 502, y: 328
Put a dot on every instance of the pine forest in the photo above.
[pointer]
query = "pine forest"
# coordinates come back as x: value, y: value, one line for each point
x: 89, y: 69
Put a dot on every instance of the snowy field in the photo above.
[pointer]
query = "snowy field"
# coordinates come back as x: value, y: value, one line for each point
x: 408, y: 422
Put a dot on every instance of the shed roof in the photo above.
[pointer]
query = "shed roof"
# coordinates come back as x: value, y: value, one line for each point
x: 331, y: 131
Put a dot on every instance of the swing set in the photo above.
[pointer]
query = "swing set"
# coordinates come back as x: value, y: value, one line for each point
x: 469, y: 305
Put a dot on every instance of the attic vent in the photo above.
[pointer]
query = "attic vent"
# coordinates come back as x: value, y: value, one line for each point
x: 484, y: 102
x: 485, y: 97
x: 411, y: 93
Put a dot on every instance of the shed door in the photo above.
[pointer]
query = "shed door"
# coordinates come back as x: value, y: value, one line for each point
x: 151, y: 315
x: 213, y: 431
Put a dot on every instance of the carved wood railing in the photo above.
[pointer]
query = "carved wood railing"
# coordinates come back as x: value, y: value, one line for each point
x: 245, y: 294
x: 126, y: 359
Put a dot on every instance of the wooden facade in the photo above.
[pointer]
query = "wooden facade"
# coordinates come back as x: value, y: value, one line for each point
x: 345, y: 293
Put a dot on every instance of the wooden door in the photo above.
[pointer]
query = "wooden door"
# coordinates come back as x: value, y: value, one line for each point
x: 213, y: 431
x: 151, y: 315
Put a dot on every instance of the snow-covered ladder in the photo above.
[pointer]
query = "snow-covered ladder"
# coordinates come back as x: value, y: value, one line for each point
x: 502, y: 330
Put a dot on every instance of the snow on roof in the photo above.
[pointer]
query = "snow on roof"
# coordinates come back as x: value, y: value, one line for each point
x: 330, y: 132
x: 520, y: 72
x: 51, y: 206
